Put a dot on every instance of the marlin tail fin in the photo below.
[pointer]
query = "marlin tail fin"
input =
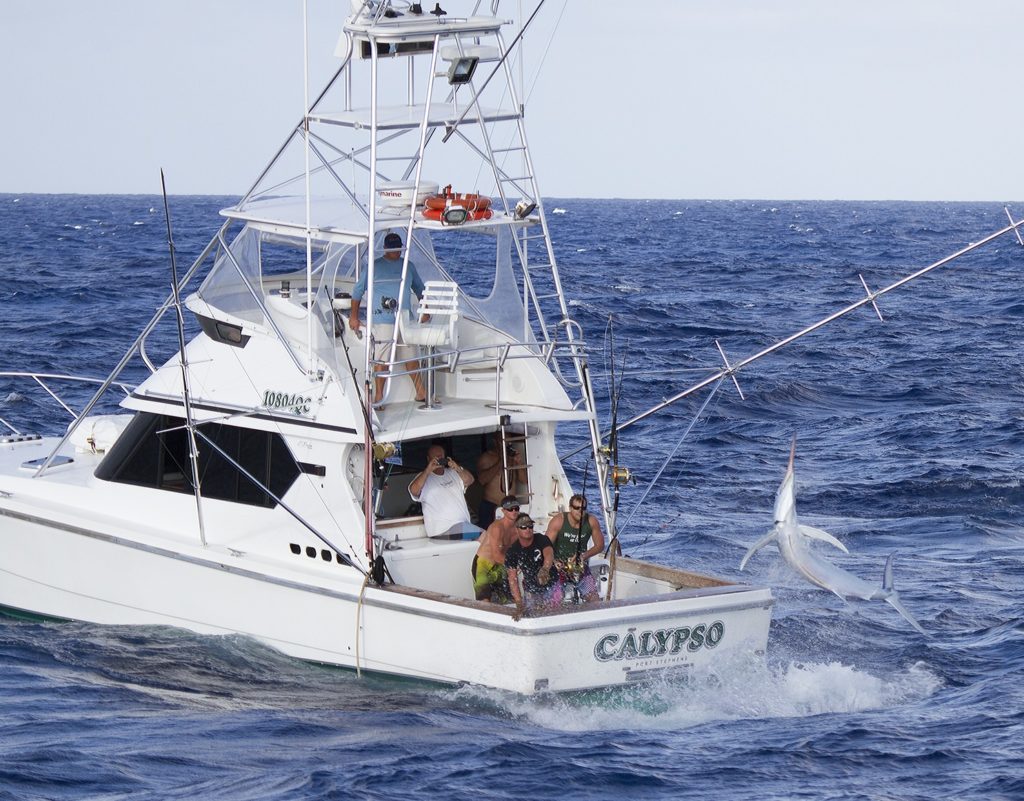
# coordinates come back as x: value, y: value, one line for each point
x: 893, y: 598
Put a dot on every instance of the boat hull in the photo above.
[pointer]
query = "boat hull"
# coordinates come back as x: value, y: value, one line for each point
x: 58, y: 569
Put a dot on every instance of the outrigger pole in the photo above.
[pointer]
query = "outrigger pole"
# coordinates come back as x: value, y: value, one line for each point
x: 731, y: 369
x: 193, y: 450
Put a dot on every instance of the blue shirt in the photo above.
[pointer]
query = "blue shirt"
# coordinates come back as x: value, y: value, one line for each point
x: 387, y: 282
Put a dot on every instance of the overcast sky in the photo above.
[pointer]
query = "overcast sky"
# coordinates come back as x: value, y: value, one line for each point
x: 771, y: 99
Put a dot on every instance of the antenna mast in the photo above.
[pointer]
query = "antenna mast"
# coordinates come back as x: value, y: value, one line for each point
x: 193, y: 450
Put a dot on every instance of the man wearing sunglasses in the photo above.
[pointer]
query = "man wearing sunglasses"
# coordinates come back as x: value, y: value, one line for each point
x: 490, y: 579
x: 529, y: 560
x: 576, y: 536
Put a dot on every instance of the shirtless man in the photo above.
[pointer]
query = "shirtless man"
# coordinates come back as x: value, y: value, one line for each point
x: 492, y: 479
x: 490, y: 580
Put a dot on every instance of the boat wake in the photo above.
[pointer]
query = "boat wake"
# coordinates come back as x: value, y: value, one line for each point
x: 751, y: 691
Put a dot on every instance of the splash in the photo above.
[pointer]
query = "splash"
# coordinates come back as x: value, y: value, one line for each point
x: 754, y: 690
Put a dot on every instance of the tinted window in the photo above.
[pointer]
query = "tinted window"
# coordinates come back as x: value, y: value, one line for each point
x: 153, y: 451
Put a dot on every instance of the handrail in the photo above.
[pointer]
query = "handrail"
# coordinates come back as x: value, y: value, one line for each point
x: 42, y: 378
x: 112, y: 378
x: 544, y: 355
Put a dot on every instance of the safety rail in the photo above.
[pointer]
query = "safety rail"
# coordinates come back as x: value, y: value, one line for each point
x: 451, y: 360
x: 42, y: 378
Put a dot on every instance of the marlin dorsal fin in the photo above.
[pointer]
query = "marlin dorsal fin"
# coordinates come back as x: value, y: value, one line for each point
x: 824, y: 536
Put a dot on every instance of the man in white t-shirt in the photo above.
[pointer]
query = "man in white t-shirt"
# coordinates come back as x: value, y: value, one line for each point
x: 441, y: 489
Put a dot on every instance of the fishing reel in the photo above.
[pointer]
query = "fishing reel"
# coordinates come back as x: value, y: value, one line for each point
x: 622, y: 475
x: 573, y: 569
x: 383, y: 450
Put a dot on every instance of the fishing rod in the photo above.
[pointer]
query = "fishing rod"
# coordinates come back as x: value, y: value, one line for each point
x: 730, y: 370
x: 574, y: 571
x: 380, y: 451
x: 193, y: 449
x: 620, y: 475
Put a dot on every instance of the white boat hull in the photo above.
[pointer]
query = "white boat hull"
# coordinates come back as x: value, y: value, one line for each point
x: 53, y: 568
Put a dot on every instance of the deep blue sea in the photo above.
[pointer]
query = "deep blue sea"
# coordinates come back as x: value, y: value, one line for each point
x: 910, y: 438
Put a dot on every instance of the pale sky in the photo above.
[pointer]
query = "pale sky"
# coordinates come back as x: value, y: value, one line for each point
x: 769, y: 99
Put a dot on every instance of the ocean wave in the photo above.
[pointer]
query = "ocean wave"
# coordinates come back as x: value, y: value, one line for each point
x: 747, y: 690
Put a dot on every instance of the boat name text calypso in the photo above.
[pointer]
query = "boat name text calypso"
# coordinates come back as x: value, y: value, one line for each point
x: 297, y: 404
x: 660, y: 642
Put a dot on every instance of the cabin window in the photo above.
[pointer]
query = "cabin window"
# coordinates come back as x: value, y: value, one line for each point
x: 153, y: 451
x: 225, y: 333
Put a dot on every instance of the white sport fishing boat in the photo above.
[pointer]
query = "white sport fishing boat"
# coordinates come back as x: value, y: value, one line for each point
x: 252, y: 487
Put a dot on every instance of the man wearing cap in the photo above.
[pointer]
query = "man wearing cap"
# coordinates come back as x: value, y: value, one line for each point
x: 529, y: 560
x: 388, y: 287
x: 490, y: 578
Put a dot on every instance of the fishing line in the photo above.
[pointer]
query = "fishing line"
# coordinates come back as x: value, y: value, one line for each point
x: 671, y: 455
x: 519, y: 60
x: 609, y: 364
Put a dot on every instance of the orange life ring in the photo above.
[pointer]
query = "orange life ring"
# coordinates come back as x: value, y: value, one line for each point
x: 471, y: 214
x: 471, y: 202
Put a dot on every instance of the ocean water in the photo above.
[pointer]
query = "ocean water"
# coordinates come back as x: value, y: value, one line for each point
x: 910, y: 439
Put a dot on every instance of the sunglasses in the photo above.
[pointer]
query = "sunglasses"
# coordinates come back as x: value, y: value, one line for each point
x: 524, y: 527
x: 510, y: 508
x: 577, y: 508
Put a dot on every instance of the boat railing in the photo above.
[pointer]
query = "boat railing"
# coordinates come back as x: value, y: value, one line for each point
x: 47, y: 381
x: 492, y: 355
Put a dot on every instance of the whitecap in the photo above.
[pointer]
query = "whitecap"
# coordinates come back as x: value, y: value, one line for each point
x: 558, y: 211
x: 747, y: 688
x: 138, y: 222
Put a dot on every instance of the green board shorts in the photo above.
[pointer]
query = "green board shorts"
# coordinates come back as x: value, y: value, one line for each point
x: 490, y: 581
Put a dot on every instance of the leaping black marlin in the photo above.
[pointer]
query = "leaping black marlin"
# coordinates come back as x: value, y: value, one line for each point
x: 792, y: 539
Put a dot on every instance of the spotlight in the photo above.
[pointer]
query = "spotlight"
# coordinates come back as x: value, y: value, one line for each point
x: 524, y: 208
x: 462, y: 69
x: 454, y: 215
